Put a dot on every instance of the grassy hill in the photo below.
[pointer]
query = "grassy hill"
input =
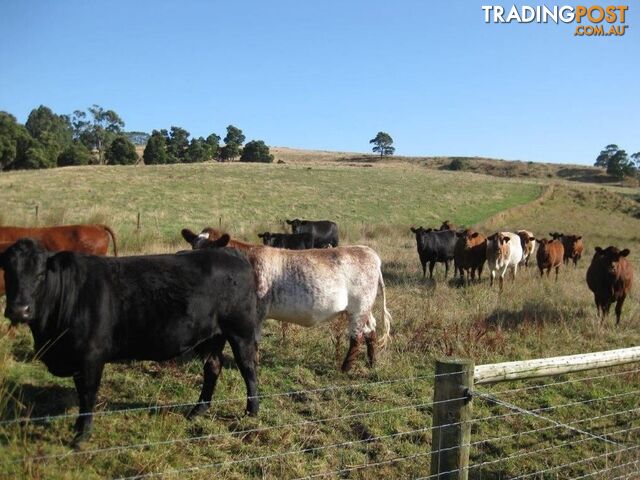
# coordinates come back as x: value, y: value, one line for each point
x: 367, y: 416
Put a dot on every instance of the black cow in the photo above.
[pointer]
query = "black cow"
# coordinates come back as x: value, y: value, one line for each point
x: 85, y: 311
x: 325, y: 233
x: 435, y: 246
x: 290, y: 241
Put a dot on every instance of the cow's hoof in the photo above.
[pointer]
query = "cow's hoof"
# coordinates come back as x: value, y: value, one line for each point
x: 197, y: 410
x: 80, y: 440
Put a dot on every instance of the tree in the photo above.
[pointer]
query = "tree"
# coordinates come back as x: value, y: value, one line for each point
x: 121, y: 151
x: 98, y: 129
x: 213, y: 142
x: 232, y: 143
x: 18, y: 149
x: 198, y: 151
x: 177, y: 143
x: 382, y: 144
x: 636, y: 160
x: 256, y: 151
x: 156, y: 150
x: 75, y: 154
x: 616, y: 161
x: 53, y: 131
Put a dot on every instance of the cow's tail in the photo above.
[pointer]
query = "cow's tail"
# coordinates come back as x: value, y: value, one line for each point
x: 113, y: 239
x: 386, y: 316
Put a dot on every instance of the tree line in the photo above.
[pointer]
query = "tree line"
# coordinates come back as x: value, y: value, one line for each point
x: 97, y: 136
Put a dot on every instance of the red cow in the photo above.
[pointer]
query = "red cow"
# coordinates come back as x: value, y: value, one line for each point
x: 91, y: 239
x: 609, y: 277
x: 550, y: 254
x: 470, y: 254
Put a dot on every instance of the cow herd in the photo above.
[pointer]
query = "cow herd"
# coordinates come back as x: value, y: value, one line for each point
x: 86, y: 310
x: 609, y: 275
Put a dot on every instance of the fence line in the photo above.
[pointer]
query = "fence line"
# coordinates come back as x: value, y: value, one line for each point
x: 228, y: 434
x: 48, y: 418
x: 455, y: 461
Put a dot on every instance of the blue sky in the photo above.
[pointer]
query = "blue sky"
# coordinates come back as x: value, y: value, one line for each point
x: 329, y: 75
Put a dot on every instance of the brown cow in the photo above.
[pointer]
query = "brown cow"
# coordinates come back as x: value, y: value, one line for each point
x: 550, y: 254
x: 446, y: 225
x: 470, y: 254
x: 609, y: 277
x: 91, y: 239
x: 528, y: 242
x: 573, y: 248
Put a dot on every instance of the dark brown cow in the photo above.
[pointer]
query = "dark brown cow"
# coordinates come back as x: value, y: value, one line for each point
x: 609, y: 277
x: 470, y: 254
x: 446, y: 225
x: 573, y: 248
x: 90, y: 239
x: 550, y: 254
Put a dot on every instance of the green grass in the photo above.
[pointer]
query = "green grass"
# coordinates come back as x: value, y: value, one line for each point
x: 375, y: 206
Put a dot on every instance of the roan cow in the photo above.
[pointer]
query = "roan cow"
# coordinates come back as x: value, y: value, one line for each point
x: 470, y: 253
x: 503, y: 251
x: 311, y: 287
x: 528, y: 243
x: 325, y: 233
x: 85, y: 311
x: 609, y: 277
x: 290, y: 241
x: 91, y: 239
x: 434, y: 246
x: 549, y: 255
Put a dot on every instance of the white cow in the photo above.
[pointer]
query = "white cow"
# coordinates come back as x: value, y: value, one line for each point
x: 311, y: 287
x: 503, y: 251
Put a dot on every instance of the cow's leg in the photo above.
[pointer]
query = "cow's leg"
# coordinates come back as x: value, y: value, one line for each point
x: 424, y: 267
x: 446, y: 269
x: 431, y: 265
x: 493, y: 275
x: 354, y: 346
x: 87, y: 382
x: 210, y: 373
x: 370, y: 339
x: 244, y: 351
x: 557, y: 271
x: 619, y: 304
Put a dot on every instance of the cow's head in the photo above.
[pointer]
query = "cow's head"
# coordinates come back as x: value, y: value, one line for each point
x: 208, y: 238
x: 25, y: 271
x: 267, y: 238
x: 525, y: 239
x: 611, y: 254
x: 446, y: 225
x: 420, y: 235
x: 295, y: 224
x: 572, y: 242
x: 556, y: 235
x: 467, y: 237
x: 498, y: 244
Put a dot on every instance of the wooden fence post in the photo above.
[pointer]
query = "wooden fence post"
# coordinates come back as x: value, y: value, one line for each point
x: 451, y: 433
x: 138, y: 222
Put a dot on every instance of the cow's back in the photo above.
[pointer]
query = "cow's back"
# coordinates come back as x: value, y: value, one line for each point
x: 439, y: 245
x: 305, y: 287
x: 91, y: 239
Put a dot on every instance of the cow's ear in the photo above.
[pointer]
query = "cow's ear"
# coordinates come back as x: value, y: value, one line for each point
x: 288, y: 221
x: 578, y: 237
x: 223, y: 241
x: 625, y: 252
x: 188, y: 235
x: 414, y: 230
x: 260, y: 235
x: 474, y: 235
x: 598, y: 249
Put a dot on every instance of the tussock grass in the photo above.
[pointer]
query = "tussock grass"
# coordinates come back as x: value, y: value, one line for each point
x: 532, y: 318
